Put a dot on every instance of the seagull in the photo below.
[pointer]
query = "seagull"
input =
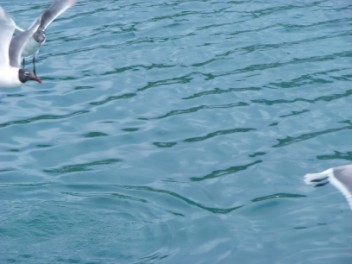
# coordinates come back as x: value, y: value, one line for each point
x: 340, y: 177
x: 13, y: 49
x: 11, y: 74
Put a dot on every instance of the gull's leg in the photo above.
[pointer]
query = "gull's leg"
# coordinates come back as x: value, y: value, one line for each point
x: 33, y: 62
x: 23, y: 63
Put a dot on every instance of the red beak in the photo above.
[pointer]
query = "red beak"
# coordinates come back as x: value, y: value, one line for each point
x: 37, y: 79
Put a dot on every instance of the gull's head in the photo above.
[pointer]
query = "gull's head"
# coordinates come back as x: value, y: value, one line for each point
x: 39, y: 36
x: 28, y: 75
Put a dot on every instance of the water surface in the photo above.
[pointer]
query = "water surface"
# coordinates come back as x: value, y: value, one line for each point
x: 179, y: 132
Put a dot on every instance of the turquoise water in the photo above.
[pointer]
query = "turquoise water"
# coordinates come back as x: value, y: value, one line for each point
x: 179, y: 132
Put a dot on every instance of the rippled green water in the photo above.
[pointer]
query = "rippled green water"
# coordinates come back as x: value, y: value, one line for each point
x: 178, y: 132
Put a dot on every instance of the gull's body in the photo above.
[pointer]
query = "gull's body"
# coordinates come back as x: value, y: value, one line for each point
x: 32, y: 47
x: 340, y: 177
x: 9, y: 77
x: 13, y: 49
x: 11, y: 74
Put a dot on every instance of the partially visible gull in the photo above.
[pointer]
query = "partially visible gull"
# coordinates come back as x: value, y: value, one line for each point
x: 13, y: 49
x: 340, y: 177
x: 11, y: 73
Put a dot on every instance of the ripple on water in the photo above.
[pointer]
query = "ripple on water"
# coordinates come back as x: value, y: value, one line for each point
x: 98, y: 222
x: 82, y: 223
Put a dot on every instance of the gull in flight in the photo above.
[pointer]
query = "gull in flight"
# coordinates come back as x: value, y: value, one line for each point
x: 340, y: 177
x: 14, y: 49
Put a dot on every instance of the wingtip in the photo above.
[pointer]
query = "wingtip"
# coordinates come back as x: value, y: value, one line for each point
x: 309, y: 178
x: 313, y: 178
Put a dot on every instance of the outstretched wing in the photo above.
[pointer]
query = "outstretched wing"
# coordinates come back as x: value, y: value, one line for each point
x: 56, y: 9
x: 7, y: 28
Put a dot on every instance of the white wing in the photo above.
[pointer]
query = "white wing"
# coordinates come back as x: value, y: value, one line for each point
x: 7, y: 28
x: 56, y: 9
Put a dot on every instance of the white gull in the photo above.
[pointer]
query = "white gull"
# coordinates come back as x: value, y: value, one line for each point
x: 13, y: 49
x: 340, y: 177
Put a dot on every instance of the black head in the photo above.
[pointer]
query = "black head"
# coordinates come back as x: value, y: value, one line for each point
x: 39, y: 36
x: 27, y: 75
